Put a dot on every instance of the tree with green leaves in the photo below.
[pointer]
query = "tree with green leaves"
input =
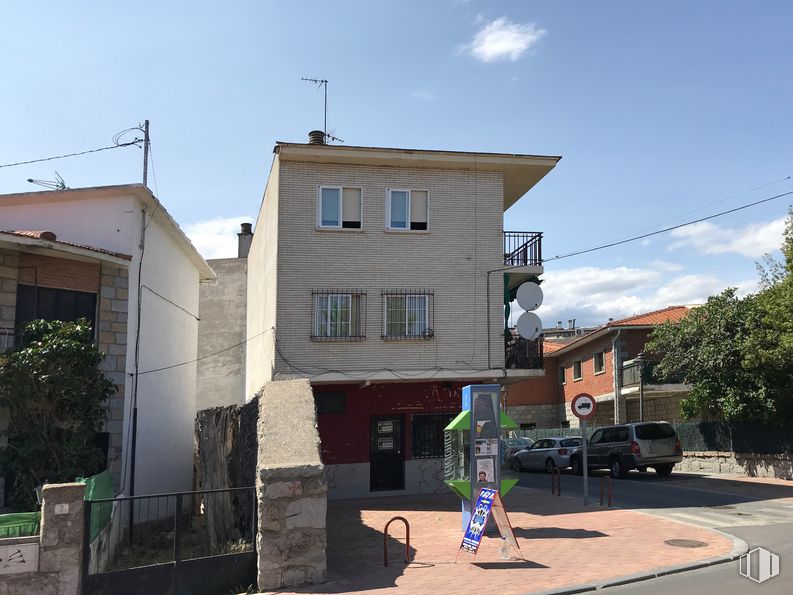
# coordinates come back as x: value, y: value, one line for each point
x: 55, y: 392
x: 737, y: 353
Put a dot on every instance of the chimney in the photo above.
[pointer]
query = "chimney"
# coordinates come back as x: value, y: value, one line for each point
x: 316, y: 137
x: 570, y: 322
x: 559, y: 324
x: 245, y: 238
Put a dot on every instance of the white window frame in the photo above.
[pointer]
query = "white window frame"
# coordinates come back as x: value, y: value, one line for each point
x: 326, y: 331
x: 409, y: 207
x: 594, y: 363
x: 406, y: 297
x: 580, y: 370
x: 340, y: 225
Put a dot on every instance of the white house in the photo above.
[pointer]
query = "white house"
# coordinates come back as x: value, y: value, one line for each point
x: 151, y: 301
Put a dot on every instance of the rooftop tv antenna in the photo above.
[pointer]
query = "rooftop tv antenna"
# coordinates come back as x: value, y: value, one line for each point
x: 57, y: 184
x: 323, y: 83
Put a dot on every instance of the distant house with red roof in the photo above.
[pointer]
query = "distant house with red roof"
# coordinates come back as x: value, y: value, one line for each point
x: 602, y: 363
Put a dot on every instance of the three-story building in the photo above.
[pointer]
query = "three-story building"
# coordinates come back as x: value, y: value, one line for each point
x: 381, y: 275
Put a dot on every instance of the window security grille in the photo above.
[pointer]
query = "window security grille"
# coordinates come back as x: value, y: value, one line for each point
x: 427, y: 434
x: 408, y: 314
x: 339, y: 315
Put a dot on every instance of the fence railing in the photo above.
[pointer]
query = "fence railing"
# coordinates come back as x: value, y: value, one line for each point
x: 522, y: 354
x: 633, y: 371
x: 522, y: 248
x: 133, y: 531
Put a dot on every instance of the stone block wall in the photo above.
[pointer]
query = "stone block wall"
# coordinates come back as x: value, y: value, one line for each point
x: 290, y: 488
x: 292, y: 537
x: 60, y: 546
x: 112, y: 340
x: 731, y: 463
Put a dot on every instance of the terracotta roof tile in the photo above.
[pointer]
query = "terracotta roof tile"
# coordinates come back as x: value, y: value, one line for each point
x: 50, y: 236
x: 669, y: 314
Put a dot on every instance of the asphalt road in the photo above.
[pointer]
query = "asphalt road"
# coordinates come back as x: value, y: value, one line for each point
x: 761, y: 515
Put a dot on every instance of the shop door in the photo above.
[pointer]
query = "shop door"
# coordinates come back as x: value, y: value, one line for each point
x: 386, y: 461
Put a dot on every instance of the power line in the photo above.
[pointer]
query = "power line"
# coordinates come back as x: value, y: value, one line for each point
x: 136, y: 142
x: 666, y: 229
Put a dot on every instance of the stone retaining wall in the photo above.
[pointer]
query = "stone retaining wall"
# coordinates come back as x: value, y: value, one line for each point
x: 60, y: 546
x: 752, y: 465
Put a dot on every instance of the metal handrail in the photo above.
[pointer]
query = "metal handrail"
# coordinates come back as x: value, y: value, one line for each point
x: 523, y: 248
x: 407, y: 539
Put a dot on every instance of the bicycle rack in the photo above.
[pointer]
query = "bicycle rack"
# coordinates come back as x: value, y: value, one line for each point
x: 407, y: 539
x: 556, y: 482
x: 605, y: 479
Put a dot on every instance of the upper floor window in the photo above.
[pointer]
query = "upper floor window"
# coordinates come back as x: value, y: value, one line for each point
x: 407, y: 315
x: 407, y: 210
x: 577, y: 370
x: 561, y: 375
x: 599, y: 362
x: 339, y: 316
x: 339, y: 207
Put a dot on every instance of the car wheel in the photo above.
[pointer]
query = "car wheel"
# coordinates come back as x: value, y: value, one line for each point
x: 515, y: 464
x: 664, y: 470
x: 550, y: 466
x: 576, y: 467
x: 616, y: 468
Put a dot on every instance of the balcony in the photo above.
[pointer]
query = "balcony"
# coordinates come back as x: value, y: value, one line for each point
x: 633, y: 374
x: 523, y: 254
x: 523, y: 248
x: 522, y: 354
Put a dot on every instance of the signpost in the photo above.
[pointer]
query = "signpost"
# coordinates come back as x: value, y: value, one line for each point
x: 583, y: 407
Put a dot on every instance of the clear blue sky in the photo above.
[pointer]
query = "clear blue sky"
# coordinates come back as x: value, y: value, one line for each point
x: 656, y: 108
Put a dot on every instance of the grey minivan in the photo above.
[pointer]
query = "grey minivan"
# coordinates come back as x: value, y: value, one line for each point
x: 631, y: 446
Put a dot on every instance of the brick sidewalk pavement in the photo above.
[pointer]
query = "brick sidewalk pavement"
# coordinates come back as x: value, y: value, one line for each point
x: 563, y: 542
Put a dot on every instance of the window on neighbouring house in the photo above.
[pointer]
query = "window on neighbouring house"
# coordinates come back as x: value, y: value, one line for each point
x: 577, y: 370
x: 53, y: 304
x: 339, y: 207
x: 407, y: 315
x: 599, y: 362
x: 339, y: 315
x: 528, y: 426
x: 561, y: 375
x: 331, y: 403
x: 427, y: 434
x: 408, y: 210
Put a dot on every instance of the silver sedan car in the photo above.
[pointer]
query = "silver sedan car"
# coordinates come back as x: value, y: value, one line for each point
x: 547, y: 453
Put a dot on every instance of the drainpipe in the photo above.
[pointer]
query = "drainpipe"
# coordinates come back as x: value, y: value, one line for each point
x: 617, y: 361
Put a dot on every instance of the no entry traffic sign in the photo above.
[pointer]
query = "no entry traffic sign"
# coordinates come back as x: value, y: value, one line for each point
x: 583, y: 406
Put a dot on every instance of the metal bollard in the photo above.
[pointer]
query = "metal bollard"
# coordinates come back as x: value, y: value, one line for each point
x: 603, y: 481
x: 556, y: 482
x: 407, y: 540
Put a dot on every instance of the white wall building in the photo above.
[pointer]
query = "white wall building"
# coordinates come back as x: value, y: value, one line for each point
x: 163, y: 277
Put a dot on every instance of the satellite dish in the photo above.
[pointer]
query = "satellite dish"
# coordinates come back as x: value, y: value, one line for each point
x: 529, y: 296
x: 529, y: 325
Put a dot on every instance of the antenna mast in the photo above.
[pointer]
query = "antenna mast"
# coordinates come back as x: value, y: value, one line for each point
x: 323, y: 83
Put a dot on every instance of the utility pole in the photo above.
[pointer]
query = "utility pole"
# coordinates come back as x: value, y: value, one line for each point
x: 145, y: 152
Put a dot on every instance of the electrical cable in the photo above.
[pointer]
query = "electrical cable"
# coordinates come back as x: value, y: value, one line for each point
x: 135, y: 142
x: 171, y: 302
x: 666, y: 229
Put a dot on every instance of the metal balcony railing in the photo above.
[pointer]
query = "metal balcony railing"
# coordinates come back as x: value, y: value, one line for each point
x: 522, y: 354
x: 631, y: 374
x: 522, y: 248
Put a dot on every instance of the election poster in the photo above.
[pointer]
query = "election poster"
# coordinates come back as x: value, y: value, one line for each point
x: 488, y: 502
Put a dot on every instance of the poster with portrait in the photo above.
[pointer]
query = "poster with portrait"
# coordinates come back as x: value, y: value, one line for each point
x: 485, y: 470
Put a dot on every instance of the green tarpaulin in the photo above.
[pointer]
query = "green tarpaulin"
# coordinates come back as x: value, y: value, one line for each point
x: 98, y: 487
x: 19, y: 524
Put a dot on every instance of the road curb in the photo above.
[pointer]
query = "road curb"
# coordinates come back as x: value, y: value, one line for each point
x: 739, y: 547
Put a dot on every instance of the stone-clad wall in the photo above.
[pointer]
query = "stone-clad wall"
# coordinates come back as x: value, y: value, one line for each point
x: 291, y: 488
x: 60, y: 546
x: 112, y: 340
x: 736, y: 463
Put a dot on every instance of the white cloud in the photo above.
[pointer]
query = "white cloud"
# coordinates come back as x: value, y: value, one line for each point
x: 423, y: 94
x: 751, y: 241
x: 592, y: 295
x: 502, y: 39
x: 216, y: 238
